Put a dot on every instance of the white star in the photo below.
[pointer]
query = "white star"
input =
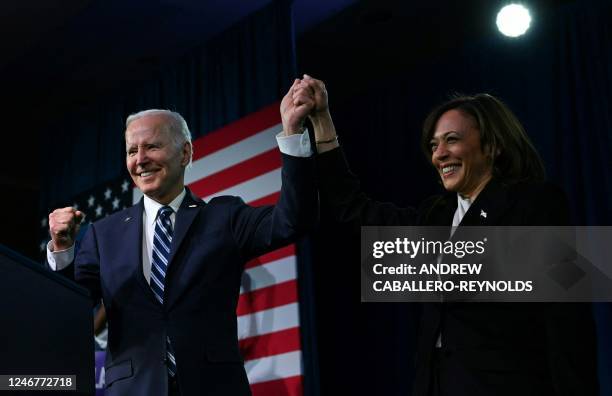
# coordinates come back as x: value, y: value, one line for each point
x: 98, y: 211
x: 107, y: 193
x: 43, y: 222
x: 116, y: 203
x: 124, y: 186
x: 483, y: 213
x: 42, y: 246
x: 91, y: 201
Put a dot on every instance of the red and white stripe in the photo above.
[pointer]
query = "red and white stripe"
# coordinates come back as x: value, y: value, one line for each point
x: 243, y: 159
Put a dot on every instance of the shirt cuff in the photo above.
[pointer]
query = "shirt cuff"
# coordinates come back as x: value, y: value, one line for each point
x: 60, y: 259
x: 297, y: 145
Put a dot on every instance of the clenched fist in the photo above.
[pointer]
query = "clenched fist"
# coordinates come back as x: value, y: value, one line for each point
x: 63, y: 226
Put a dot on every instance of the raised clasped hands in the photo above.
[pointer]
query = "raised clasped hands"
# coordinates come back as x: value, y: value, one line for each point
x: 307, y: 97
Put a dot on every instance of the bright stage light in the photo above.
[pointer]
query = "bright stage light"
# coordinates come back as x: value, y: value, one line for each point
x: 513, y: 20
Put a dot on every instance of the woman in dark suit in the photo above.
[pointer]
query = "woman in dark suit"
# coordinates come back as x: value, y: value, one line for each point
x: 486, y: 164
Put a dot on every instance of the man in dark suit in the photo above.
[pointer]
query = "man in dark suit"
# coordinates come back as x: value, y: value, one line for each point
x: 492, y: 176
x: 169, y: 268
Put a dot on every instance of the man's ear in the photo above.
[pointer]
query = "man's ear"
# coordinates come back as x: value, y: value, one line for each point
x: 186, y: 153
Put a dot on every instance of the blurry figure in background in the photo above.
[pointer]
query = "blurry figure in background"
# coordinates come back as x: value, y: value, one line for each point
x: 487, y: 164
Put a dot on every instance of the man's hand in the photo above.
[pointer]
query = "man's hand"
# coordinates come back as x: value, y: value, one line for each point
x: 295, y: 107
x: 63, y: 226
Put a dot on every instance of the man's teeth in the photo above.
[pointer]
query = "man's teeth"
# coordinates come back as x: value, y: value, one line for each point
x: 145, y: 174
x: 450, y: 168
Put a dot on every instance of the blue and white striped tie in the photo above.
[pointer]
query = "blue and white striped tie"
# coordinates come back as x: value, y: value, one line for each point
x: 162, y: 241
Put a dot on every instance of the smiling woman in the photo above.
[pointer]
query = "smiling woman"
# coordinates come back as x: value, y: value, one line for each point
x: 464, y: 166
x: 493, y: 176
x: 484, y: 136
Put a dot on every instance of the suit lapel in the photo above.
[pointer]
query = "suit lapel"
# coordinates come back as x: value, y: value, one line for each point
x: 189, y: 209
x: 184, y: 218
x: 489, y: 207
x: 132, y: 223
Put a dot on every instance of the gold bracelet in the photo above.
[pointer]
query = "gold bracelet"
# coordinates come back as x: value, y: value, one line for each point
x: 327, y: 141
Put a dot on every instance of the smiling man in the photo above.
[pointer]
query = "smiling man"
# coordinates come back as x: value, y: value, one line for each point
x: 158, y: 149
x: 169, y: 268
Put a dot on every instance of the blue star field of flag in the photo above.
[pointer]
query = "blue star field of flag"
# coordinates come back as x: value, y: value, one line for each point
x: 96, y: 203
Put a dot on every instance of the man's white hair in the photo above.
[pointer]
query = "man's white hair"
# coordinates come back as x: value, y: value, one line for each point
x: 177, y: 127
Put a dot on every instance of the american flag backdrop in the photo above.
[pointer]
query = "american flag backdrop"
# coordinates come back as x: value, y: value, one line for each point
x: 242, y: 159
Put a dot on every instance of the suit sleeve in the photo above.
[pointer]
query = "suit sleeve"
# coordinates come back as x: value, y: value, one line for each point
x: 84, y: 269
x: 87, y: 264
x: 342, y: 198
x: 257, y: 230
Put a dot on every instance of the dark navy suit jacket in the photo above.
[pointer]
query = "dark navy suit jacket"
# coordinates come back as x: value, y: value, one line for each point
x: 211, y: 243
x: 488, y: 348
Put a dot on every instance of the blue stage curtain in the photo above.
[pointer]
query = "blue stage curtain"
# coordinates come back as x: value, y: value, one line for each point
x: 583, y: 136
